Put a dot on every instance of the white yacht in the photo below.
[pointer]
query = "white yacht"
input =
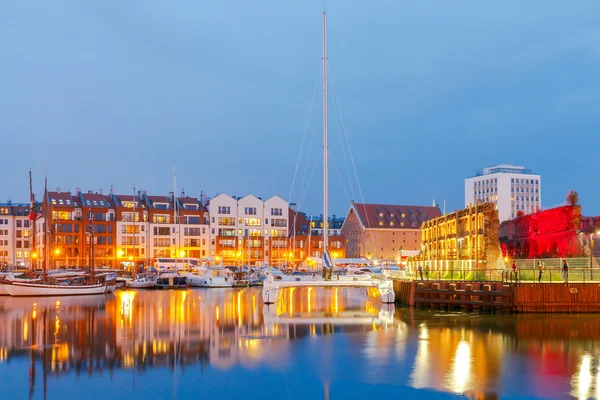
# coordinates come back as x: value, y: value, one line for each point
x: 211, y: 278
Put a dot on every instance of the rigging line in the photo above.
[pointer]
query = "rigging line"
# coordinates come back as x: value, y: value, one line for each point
x: 345, y: 161
x: 302, y: 185
x: 309, y: 180
x: 340, y: 176
x: 367, y: 223
x: 312, y: 102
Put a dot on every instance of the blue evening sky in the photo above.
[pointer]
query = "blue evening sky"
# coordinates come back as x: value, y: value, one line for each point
x: 112, y: 92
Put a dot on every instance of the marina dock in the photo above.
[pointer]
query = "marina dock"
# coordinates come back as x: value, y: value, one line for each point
x: 521, y: 297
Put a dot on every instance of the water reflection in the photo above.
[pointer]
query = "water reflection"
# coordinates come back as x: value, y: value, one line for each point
x: 332, y: 338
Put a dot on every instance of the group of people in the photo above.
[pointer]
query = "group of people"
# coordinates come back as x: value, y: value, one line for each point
x: 540, y: 267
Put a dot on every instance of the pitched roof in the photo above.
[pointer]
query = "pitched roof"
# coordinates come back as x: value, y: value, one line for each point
x: 96, y: 200
x: 62, y: 199
x: 392, y: 216
x: 120, y: 198
x: 183, y: 201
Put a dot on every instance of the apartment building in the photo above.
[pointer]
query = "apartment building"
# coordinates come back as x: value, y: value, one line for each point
x: 177, y: 227
x: 119, y: 230
x: 306, y: 238
x: 16, y: 235
x: 248, y: 230
x: 512, y: 189
x: 132, y: 227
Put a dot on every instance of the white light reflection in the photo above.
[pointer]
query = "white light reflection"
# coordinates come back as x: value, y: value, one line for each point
x: 420, y: 374
x: 423, y: 332
x: 461, y: 368
x: 598, y: 381
x: 581, y: 383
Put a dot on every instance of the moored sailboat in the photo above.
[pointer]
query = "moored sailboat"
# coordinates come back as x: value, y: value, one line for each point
x: 55, y: 285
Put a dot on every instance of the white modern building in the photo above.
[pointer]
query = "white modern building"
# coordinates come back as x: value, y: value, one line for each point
x: 511, y: 188
x: 248, y: 229
x: 15, y: 232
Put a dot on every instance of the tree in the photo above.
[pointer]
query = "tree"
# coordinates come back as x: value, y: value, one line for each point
x: 520, y: 214
x: 572, y: 197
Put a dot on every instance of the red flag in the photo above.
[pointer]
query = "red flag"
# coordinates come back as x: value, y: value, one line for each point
x: 32, y: 213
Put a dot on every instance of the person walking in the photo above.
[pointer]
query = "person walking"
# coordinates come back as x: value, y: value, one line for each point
x: 420, y: 269
x: 565, y: 271
x: 427, y: 271
x: 515, y: 273
x: 540, y: 271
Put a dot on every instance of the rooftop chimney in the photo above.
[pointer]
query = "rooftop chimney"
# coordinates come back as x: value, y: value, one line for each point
x: 77, y: 191
x: 90, y: 192
x: 112, y: 190
x: 102, y: 191
x: 58, y: 189
x: 293, y: 206
x: 203, y: 198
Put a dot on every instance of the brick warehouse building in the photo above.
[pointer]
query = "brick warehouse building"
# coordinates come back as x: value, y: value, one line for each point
x: 382, y: 231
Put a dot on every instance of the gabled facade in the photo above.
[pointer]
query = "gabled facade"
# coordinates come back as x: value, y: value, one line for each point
x: 100, y: 228
x: 248, y: 230
x: 193, y: 226
x: 132, y: 228
x: 384, y: 231
x: 60, y: 231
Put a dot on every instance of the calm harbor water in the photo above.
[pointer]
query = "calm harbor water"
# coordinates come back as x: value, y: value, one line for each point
x: 316, y: 343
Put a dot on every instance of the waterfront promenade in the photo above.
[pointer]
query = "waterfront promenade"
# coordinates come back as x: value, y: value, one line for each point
x: 506, y: 290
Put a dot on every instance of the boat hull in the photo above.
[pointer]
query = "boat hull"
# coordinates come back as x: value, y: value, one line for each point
x: 141, y: 285
x: 32, y: 289
x: 171, y: 282
x: 209, y: 282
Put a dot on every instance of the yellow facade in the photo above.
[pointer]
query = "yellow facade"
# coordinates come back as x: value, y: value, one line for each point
x: 468, y: 235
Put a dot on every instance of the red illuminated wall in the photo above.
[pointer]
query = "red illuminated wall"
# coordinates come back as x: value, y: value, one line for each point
x: 550, y: 233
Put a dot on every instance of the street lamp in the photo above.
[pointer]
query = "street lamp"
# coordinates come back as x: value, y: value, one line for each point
x: 56, y: 254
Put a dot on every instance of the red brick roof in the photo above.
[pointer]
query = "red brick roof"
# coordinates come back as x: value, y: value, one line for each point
x: 392, y: 216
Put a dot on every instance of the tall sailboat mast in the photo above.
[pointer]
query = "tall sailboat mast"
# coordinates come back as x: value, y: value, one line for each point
x: 47, y: 227
x: 32, y: 219
x: 135, y: 256
x: 175, y: 212
x: 325, y: 160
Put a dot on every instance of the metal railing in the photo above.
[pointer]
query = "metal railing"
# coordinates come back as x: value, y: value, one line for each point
x: 520, y: 275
